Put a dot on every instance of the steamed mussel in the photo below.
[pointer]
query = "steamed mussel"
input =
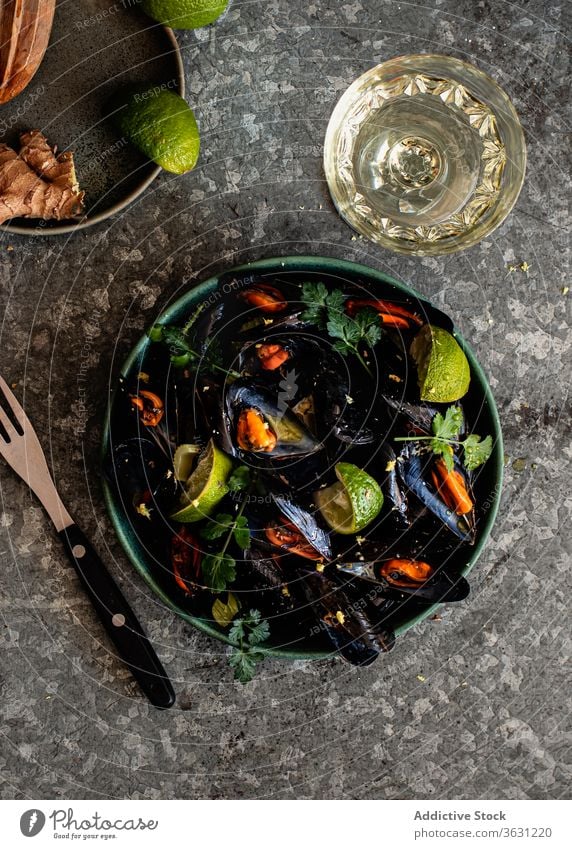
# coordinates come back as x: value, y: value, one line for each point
x: 261, y: 422
x: 324, y: 495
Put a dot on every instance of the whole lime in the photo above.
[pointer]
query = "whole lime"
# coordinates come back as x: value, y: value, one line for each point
x: 185, y: 14
x: 162, y: 125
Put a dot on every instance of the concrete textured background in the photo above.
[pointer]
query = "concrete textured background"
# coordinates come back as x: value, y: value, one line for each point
x: 474, y: 706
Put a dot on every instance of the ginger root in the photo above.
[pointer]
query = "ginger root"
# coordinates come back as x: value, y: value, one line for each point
x: 37, y: 183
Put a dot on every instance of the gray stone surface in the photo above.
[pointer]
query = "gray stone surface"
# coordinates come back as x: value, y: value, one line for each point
x: 474, y: 706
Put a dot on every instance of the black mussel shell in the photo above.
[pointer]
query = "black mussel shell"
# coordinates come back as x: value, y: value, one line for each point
x: 395, y: 502
x: 343, y: 619
x: 293, y: 439
x: 306, y: 523
x: 414, y: 471
x: 430, y: 586
x: 135, y: 465
x: 265, y: 585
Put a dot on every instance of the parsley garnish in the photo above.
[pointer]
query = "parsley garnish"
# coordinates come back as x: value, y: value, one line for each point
x: 240, y: 479
x: 325, y: 308
x: 219, y: 569
x: 247, y: 633
x: 476, y: 451
x: 223, y: 523
x: 445, y: 430
x: 315, y: 298
x: 183, y: 346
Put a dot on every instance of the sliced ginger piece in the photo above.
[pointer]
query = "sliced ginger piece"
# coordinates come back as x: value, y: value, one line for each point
x: 37, y: 183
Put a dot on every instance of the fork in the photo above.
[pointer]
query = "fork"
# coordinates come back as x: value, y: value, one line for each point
x: 20, y: 447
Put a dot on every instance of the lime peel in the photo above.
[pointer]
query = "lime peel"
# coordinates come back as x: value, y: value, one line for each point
x: 162, y: 125
x: 352, y: 502
x: 185, y: 14
x: 206, y: 486
x: 443, y: 371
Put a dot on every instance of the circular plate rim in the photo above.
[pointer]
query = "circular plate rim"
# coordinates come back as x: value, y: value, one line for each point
x: 89, y: 221
x: 203, y: 289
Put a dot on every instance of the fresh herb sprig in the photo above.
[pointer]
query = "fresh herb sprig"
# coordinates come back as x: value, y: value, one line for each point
x: 240, y: 479
x: 247, y: 633
x: 219, y: 569
x: 445, y: 438
x: 183, y: 346
x: 325, y: 308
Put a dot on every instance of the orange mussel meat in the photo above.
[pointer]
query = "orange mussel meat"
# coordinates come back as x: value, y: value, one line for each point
x: 253, y: 433
x: 402, y: 572
x: 452, y: 488
x: 272, y: 356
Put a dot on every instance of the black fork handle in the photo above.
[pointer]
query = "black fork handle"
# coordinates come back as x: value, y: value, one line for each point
x: 118, y: 619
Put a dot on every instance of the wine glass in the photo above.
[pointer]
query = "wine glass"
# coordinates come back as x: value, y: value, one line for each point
x: 424, y: 155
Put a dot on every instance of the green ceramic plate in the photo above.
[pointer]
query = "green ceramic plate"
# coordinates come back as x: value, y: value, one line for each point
x: 483, y: 413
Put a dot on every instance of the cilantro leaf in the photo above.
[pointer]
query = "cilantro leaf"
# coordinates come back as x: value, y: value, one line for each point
x: 349, y: 331
x: 225, y: 523
x: 217, y: 526
x: 219, y: 570
x: 259, y: 633
x: 237, y: 633
x: 240, y: 479
x: 244, y: 664
x: 326, y: 308
x: 335, y: 302
x: 341, y: 347
x: 446, y: 430
x: 367, y: 321
x: 444, y: 450
x: 247, y: 632
x: 241, y: 532
x: 185, y: 349
x: 344, y: 328
x: 476, y: 451
x: 449, y: 426
x: 314, y: 296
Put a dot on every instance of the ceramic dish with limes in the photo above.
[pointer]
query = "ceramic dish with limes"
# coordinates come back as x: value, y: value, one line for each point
x: 303, y: 458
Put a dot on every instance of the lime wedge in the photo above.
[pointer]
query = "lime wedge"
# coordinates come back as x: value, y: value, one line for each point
x: 443, y: 371
x: 351, y: 503
x: 184, y: 460
x: 206, y: 486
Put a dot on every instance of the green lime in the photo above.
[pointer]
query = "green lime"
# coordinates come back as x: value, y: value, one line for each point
x: 351, y: 503
x: 184, y: 460
x: 206, y: 486
x: 184, y: 14
x: 443, y: 371
x: 162, y: 125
